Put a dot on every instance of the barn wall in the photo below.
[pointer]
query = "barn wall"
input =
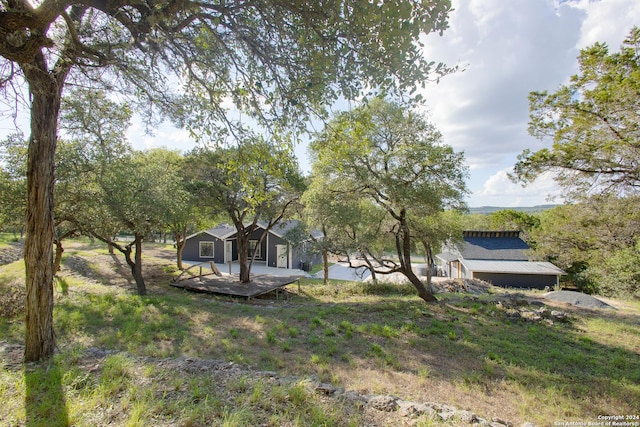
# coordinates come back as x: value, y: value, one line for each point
x: 528, y: 281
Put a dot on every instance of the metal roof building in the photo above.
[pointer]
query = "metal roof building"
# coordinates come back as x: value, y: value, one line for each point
x: 498, y: 257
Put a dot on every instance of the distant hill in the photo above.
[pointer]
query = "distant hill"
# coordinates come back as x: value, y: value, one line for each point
x: 526, y: 209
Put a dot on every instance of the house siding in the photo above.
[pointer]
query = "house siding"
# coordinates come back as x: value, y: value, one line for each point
x: 298, y: 255
x: 274, y: 240
x: 268, y: 250
x: 191, y: 250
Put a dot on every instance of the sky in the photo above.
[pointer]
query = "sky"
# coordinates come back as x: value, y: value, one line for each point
x: 506, y: 49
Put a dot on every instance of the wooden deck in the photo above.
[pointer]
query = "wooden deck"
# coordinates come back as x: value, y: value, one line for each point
x: 229, y: 285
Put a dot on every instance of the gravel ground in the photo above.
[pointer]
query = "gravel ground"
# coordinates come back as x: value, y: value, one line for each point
x: 578, y: 299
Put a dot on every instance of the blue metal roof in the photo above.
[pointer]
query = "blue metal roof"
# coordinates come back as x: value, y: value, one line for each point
x: 494, y: 245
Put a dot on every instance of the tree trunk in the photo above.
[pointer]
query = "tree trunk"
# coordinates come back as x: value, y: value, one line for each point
x: 137, y: 271
x: 429, y: 258
x: 136, y: 264
x: 404, y: 254
x: 325, y: 266
x: 181, y: 241
x: 60, y: 249
x: 372, y: 269
x: 58, y: 259
x: 325, y: 254
x: 424, y: 292
x: 45, y: 91
x: 243, y: 257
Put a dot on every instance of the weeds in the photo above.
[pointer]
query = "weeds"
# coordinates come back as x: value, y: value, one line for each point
x: 374, y: 337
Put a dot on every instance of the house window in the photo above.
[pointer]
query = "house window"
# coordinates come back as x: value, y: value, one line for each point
x: 206, y: 249
x: 254, y: 247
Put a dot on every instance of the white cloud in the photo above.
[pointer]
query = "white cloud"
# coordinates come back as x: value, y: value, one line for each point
x: 164, y: 135
x: 607, y: 21
x: 508, y: 49
x: 499, y: 190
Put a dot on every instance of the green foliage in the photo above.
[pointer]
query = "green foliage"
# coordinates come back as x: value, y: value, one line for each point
x: 593, y: 122
x: 595, y: 242
x: 144, y: 190
x: 381, y: 179
x: 256, y: 180
x: 619, y: 273
x: 272, y: 60
x: 251, y: 178
x: 509, y: 219
x: 475, y: 221
x: 13, y: 183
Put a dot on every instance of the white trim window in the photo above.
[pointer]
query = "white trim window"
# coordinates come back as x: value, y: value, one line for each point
x: 207, y: 249
x: 255, y: 247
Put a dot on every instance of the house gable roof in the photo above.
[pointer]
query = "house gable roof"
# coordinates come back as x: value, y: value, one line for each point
x: 283, y: 227
x: 225, y: 231
x: 493, y: 245
x: 220, y: 231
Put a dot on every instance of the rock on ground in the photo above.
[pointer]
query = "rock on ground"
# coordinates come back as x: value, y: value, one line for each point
x: 471, y: 286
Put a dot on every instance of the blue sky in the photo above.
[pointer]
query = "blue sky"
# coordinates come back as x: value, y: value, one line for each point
x: 508, y: 49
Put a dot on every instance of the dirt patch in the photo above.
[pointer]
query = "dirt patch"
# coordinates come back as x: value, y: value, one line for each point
x: 11, y: 253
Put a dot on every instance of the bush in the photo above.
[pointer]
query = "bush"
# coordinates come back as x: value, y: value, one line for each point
x: 619, y: 274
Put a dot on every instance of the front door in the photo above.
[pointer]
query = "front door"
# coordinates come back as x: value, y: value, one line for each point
x: 228, y: 251
x: 282, y: 255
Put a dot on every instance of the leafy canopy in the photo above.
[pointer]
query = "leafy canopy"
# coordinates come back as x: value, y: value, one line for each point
x: 594, y: 123
x: 390, y: 177
x: 199, y: 60
x: 596, y: 241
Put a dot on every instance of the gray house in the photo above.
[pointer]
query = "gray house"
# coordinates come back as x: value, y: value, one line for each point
x: 498, y: 257
x: 220, y: 245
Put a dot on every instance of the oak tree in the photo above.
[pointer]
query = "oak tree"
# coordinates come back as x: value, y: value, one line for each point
x: 596, y: 241
x: 255, y: 182
x: 273, y: 59
x: 389, y: 166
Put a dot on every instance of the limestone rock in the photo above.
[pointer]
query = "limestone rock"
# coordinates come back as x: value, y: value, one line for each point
x: 384, y: 403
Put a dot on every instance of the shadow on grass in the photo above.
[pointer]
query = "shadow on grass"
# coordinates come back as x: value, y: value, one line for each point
x: 45, y: 403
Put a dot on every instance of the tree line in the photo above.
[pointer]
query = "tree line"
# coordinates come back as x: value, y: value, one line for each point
x: 379, y: 191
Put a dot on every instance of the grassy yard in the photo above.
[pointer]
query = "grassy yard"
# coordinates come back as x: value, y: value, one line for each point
x: 6, y: 239
x: 115, y: 364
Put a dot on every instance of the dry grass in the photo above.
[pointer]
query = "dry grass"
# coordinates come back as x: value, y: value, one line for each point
x: 463, y: 352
